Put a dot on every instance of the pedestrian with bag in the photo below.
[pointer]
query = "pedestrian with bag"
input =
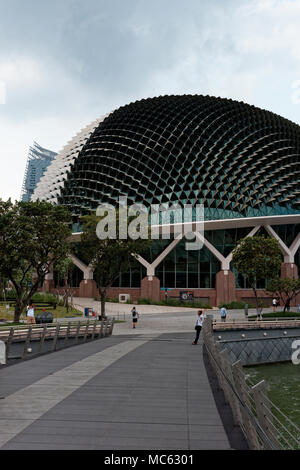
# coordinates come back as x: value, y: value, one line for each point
x: 223, y: 313
x: 135, y: 316
x: 198, y: 326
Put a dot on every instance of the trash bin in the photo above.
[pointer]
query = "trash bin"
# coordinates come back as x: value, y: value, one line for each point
x: 88, y: 311
x: 44, y: 317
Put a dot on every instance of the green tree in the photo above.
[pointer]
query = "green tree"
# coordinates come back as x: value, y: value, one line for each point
x: 65, y: 268
x: 284, y: 288
x: 258, y: 258
x: 33, y: 235
x: 110, y: 256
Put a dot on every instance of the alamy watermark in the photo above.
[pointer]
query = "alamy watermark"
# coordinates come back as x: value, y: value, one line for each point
x: 2, y: 92
x: 296, y: 353
x: 140, y: 222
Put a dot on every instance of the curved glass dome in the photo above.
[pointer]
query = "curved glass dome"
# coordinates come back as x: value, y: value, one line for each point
x: 236, y: 159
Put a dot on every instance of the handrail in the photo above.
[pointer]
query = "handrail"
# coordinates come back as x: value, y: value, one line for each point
x: 34, y: 336
x: 253, y: 411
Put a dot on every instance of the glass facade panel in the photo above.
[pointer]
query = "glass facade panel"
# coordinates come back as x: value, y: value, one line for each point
x: 188, y: 269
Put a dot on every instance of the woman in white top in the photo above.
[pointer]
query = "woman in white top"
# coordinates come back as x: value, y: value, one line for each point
x: 198, y: 326
x: 30, y: 315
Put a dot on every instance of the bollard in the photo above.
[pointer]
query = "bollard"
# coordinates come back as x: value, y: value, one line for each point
x: 86, y: 331
x: 67, y: 333
x: 94, y: 329
x: 43, y: 336
x: 101, y: 328
x: 56, y: 336
x: 27, y: 342
x: 2, y: 353
x: 106, y: 329
x: 77, y: 333
x: 9, y: 341
x: 112, y: 326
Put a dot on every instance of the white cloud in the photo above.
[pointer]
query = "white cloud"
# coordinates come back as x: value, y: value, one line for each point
x: 20, y: 72
x: 2, y: 92
x: 16, y: 138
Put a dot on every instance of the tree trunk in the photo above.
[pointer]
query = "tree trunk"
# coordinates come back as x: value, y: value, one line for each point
x: 256, y: 298
x: 71, y: 297
x: 18, y: 310
x: 102, y: 299
x: 67, y: 294
x: 67, y: 301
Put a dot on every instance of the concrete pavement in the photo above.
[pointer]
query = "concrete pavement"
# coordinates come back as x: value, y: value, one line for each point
x: 147, y: 389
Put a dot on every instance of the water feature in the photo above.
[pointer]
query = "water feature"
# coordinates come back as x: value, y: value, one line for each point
x: 283, y: 384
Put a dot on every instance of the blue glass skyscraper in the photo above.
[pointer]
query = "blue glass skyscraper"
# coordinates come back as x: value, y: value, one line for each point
x: 38, y: 161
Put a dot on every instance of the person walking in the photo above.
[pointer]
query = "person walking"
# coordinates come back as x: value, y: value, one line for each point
x: 30, y: 315
x: 274, y: 302
x: 135, y: 316
x: 259, y: 314
x: 198, y: 326
x: 223, y: 313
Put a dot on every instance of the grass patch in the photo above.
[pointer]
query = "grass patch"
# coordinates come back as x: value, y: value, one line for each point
x: 271, y: 315
x: 167, y: 302
x: 172, y: 303
x: 235, y: 305
x: 59, y: 312
x: 11, y: 324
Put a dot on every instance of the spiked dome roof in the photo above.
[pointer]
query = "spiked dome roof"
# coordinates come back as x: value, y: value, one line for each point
x: 236, y: 159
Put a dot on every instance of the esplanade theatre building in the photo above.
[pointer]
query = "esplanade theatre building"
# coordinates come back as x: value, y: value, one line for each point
x: 239, y: 162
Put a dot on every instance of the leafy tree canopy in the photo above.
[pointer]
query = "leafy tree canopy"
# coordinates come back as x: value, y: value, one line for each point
x: 110, y: 256
x: 33, y: 235
x: 284, y: 288
x: 257, y: 258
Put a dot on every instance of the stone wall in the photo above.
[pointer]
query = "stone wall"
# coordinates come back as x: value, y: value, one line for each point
x: 259, y: 347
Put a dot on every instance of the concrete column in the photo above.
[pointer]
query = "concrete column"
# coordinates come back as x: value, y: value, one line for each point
x: 150, y: 288
x: 225, y: 287
x: 48, y: 283
x: 289, y: 270
x: 88, y: 288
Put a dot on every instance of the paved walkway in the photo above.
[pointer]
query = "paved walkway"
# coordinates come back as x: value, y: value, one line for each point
x: 138, y: 389
x: 119, y: 310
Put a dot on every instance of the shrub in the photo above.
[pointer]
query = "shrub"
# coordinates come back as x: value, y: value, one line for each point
x: 237, y: 305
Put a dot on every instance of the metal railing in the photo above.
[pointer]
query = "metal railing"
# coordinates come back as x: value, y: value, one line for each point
x: 264, y: 425
x: 66, y: 334
x: 256, y: 324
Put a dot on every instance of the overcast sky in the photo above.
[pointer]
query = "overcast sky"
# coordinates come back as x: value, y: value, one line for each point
x: 63, y: 63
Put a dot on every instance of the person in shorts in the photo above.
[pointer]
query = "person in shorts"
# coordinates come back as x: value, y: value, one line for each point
x: 30, y: 315
x: 198, y: 326
x: 135, y: 317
